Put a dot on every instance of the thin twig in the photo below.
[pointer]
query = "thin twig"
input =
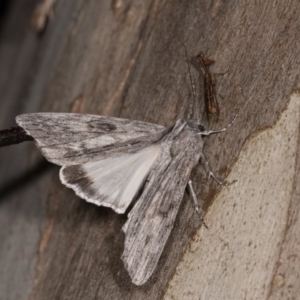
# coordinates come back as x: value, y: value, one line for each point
x: 13, y: 136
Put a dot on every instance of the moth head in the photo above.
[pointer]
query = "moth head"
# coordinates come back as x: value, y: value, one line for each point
x: 201, y: 127
x: 196, y: 125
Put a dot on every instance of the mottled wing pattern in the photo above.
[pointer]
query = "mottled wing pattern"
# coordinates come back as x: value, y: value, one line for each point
x: 151, y: 220
x: 105, y: 160
x: 69, y: 139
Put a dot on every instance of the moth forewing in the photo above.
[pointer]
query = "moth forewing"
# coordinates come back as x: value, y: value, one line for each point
x: 70, y: 139
x: 151, y: 220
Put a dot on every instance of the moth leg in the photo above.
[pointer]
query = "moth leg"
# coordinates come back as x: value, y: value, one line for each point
x: 194, y: 197
x: 195, y: 200
x: 209, y: 171
x: 212, y: 175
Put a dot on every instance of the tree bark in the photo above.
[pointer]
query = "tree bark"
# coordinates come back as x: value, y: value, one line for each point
x: 126, y: 59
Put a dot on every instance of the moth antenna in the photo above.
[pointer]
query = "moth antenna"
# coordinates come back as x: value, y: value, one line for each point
x: 190, y: 109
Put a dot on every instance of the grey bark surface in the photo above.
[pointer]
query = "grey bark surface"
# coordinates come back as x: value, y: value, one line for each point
x: 126, y: 59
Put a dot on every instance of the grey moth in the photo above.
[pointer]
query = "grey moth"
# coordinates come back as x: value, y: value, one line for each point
x: 111, y: 162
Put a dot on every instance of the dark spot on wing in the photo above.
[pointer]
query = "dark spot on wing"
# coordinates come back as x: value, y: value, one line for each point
x: 73, y: 173
x: 201, y: 127
x: 148, y: 239
x: 102, y: 126
x: 85, y: 185
x: 103, y: 197
x: 76, y: 175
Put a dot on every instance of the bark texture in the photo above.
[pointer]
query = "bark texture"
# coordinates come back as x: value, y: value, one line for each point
x: 125, y: 59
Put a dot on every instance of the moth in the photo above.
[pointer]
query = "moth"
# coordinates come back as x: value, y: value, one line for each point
x: 112, y: 162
